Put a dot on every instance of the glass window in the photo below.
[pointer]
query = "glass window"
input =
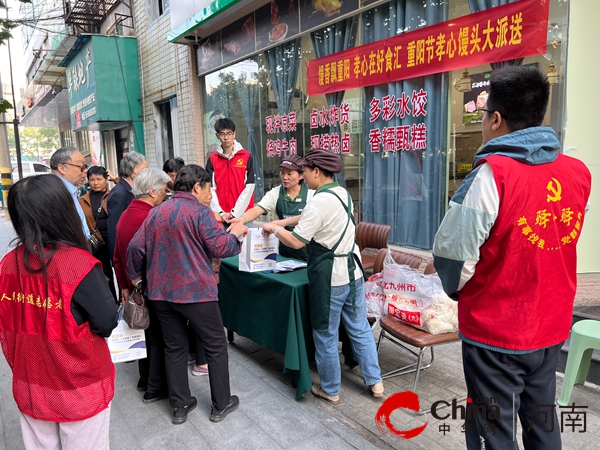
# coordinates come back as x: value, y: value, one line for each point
x: 41, y: 168
x: 406, y: 145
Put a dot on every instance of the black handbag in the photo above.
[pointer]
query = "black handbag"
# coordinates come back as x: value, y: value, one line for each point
x: 95, y: 243
x: 135, y: 311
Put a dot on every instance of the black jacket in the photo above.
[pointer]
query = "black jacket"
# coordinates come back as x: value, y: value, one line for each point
x: 118, y: 201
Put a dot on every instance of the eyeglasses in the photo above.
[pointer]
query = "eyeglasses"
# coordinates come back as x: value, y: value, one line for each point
x: 82, y: 168
x: 482, y: 111
x: 224, y: 135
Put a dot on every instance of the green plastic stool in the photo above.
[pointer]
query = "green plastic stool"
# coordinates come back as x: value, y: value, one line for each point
x: 585, y: 337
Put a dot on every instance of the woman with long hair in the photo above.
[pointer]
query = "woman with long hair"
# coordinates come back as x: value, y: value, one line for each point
x: 55, y: 312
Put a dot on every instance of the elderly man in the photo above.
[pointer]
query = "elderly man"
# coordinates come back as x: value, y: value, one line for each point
x: 150, y: 189
x: 507, y: 247
x: 121, y: 195
x: 69, y: 165
x: 175, y: 245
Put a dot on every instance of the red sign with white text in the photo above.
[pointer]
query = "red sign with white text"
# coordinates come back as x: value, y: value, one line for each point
x: 510, y: 31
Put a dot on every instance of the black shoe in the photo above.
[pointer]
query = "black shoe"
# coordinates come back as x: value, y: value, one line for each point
x: 181, y: 412
x: 151, y: 397
x: 217, y: 416
x: 142, y: 385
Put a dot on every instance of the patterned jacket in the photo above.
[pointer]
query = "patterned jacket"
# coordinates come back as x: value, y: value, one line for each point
x: 175, y: 245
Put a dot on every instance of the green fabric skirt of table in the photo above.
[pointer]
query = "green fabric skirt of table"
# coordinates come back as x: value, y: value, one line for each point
x: 272, y: 310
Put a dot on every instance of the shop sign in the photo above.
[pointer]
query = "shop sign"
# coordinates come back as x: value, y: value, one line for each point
x: 331, y: 117
x: 81, y: 83
x: 401, y: 137
x: 510, y: 31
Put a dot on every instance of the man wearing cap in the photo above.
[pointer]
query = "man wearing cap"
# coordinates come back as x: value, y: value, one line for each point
x: 287, y: 200
x: 335, y: 273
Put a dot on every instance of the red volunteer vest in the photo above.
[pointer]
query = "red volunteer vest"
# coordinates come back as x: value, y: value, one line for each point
x: 230, y: 178
x: 521, y: 295
x: 62, y: 372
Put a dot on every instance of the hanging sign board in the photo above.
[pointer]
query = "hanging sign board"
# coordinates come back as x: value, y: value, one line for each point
x: 510, y: 31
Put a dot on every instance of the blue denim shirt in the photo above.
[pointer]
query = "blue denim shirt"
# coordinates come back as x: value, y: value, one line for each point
x: 73, y: 191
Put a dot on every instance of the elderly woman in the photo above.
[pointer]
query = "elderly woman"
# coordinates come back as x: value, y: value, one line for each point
x: 335, y: 283
x: 121, y: 195
x: 94, y: 207
x: 182, y: 287
x: 53, y: 328
x: 149, y: 188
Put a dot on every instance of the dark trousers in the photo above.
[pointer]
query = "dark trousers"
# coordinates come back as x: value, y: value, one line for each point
x: 523, y: 385
x: 205, y: 319
x: 152, y: 368
x: 155, y: 347
x: 196, y: 346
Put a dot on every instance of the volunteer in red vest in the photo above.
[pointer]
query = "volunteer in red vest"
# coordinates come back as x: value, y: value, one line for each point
x: 507, y: 247
x: 335, y: 275
x: 55, y: 311
x: 232, y: 174
x: 287, y: 200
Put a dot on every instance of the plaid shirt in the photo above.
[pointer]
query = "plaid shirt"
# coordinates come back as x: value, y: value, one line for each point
x: 175, y: 245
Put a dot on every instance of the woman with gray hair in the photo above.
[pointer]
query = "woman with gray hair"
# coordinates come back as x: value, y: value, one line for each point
x: 121, y: 196
x: 150, y: 189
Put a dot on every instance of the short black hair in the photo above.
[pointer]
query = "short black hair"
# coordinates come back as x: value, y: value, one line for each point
x: 97, y: 170
x: 173, y: 165
x: 188, y: 176
x: 520, y: 94
x: 224, y: 124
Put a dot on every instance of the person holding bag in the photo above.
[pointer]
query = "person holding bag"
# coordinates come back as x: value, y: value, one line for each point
x: 175, y: 246
x: 55, y: 312
x: 335, y: 275
x: 149, y: 189
x: 95, y: 210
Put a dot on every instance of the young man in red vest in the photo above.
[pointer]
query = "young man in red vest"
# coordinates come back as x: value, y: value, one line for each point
x: 232, y: 174
x: 507, y: 247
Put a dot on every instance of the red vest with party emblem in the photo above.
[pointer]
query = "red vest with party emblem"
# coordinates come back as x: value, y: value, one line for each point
x: 521, y: 295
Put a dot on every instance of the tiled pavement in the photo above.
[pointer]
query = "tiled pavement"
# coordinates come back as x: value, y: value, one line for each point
x: 270, y: 417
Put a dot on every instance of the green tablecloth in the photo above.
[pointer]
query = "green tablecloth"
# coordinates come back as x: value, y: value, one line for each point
x: 272, y: 310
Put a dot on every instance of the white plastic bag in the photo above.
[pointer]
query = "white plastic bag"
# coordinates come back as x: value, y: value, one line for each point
x: 126, y: 344
x: 418, y: 299
x: 374, y: 296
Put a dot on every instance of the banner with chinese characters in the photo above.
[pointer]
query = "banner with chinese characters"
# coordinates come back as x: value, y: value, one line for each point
x: 401, y: 137
x: 328, y: 117
x: 281, y: 123
x: 510, y: 31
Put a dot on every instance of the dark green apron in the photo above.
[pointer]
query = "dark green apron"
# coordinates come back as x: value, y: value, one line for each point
x: 319, y: 268
x: 289, y: 208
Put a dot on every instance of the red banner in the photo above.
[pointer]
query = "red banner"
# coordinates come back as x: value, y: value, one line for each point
x: 511, y: 31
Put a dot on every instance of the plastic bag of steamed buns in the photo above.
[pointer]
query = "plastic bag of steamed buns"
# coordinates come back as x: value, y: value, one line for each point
x: 418, y: 299
x: 374, y: 296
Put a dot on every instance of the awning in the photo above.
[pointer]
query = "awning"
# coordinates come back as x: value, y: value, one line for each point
x: 211, y: 19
